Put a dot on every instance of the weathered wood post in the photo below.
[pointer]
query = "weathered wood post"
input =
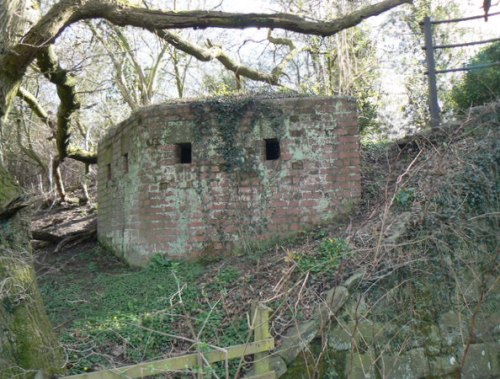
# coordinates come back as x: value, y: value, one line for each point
x: 431, y: 72
x: 261, y: 332
x: 199, y: 366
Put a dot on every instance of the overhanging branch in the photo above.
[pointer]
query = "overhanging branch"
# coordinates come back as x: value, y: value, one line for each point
x: 81, y: 155
x: 147, y: 18
x: 67, y: 12
x: 214, y: 52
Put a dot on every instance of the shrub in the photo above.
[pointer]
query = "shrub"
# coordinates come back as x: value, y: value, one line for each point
x: 479, y: 86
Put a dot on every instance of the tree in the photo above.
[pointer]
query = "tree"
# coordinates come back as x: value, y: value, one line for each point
x: 37, y: 44
x: 344, y: 65
x: 18, y: 55
x: 27, y: 341
x: 26, y: 39
x: 479, y: 86
x: 408, y: 57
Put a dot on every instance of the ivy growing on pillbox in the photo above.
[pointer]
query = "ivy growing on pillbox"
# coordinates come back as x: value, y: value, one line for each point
x: 226, y: 116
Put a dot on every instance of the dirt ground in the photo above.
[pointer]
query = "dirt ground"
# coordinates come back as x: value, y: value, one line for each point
x: 272, y: 277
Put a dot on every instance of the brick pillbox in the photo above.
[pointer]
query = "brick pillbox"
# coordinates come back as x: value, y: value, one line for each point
x: 203, y: 178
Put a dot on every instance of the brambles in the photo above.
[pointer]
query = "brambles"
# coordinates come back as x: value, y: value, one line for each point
x: 404, y: 198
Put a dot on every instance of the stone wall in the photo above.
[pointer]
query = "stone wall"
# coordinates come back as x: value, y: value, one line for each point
x: 202, y: 178
x: 344, y: 340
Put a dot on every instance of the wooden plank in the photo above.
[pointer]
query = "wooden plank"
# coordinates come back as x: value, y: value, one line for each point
x: 261, y: 332
x: 177, y: 363
x: 268, y: 375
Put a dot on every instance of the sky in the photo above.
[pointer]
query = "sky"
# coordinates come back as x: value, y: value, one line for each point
x: 392, y: 79
x: 471, y: 7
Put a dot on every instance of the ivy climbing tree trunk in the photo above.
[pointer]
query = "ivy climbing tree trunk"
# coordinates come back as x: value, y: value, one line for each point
x: 27, y: 340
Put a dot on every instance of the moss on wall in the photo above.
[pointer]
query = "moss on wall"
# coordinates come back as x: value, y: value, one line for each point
x: 226, y: 116
x: 231, y: 195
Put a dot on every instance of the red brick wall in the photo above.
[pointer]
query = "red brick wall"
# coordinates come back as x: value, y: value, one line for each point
x: 229, y: 196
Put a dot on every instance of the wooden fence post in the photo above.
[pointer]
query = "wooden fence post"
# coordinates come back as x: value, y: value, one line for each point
x: 260, y: 319
x: 431, y: 72
x: 199, y: 366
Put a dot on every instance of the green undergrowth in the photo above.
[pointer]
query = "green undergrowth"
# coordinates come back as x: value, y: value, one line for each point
x: 450, y: 239
x: 325, y: 259
x: 126, y: 316
x: 110, y: 315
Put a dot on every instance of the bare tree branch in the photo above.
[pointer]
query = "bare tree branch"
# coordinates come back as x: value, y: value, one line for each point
x: 118, y: 65
x: 294, y: 51
x: 35, y: 106
x: 142, y: 81
x: 216, y: 52
x: 151, y: 78
x: 14, y: 62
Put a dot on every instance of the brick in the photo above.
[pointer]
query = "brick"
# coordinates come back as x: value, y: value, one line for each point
x: 215, y: 204
x: 312, y: 195
x: 194, y: 224
x: 343, y: 131
x: 308, y: 203
x: 278, y: 203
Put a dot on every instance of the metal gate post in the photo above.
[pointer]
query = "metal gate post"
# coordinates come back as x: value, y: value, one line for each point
x: 431, y: 70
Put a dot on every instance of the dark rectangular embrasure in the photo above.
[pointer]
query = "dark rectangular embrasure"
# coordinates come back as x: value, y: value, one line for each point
x: 184, y: 152
x: 272, y: 149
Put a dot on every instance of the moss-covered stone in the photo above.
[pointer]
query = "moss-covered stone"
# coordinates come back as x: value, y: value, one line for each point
x: 360, y: 366
x: 444, y: 366
x: 482, y: 361
x: 361, y: 334
x: 432, y: 340
x: 452, y: 327
x: 410, y: 365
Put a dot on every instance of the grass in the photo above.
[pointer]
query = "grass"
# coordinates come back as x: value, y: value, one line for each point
x: 110, y: 315
x: 128, y: 316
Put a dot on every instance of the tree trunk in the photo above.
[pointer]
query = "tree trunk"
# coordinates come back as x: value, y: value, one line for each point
x: 56, y: 170
x: 16, y: 17
x: 27, y: 340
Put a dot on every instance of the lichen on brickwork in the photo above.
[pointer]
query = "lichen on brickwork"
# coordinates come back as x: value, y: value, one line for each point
x: 232, y: 191
x: 224, y: 117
